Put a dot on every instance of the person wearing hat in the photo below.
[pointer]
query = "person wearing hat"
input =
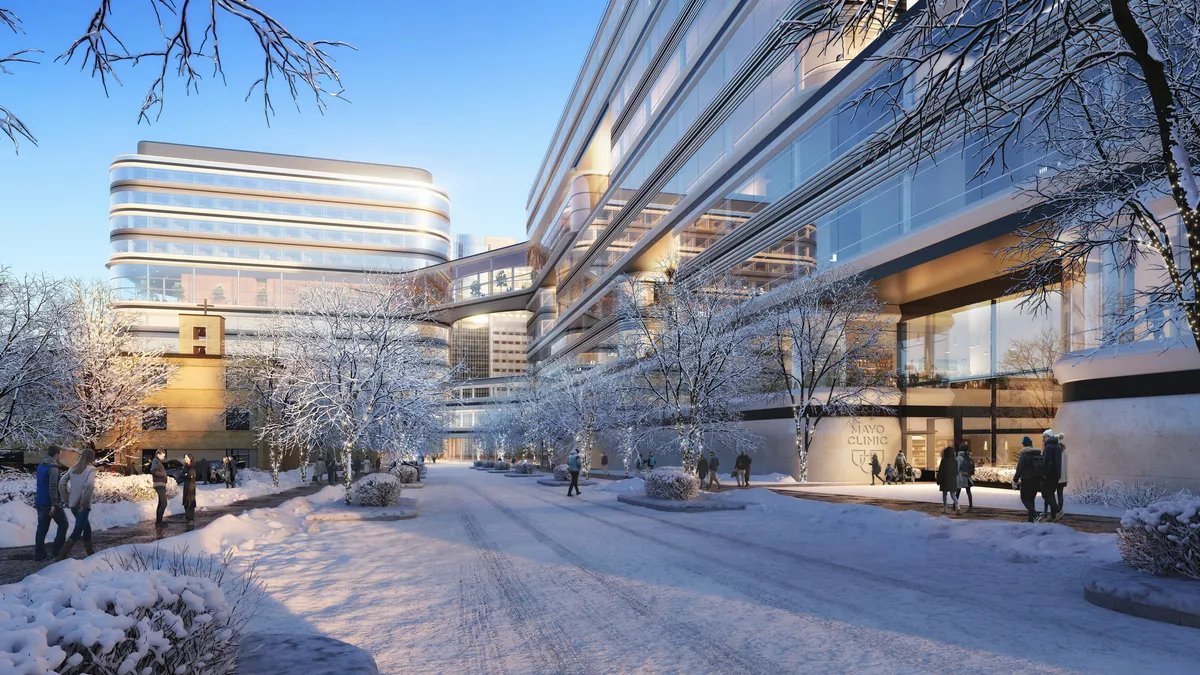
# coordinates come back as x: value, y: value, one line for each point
x: 1029, y: 476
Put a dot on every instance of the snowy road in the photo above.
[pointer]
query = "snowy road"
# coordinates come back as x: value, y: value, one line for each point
x: 500, y: 575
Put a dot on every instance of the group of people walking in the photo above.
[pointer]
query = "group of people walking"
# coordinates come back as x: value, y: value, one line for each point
x: 61, y: 488
x: 710, y: 467
x: 956, y: 473
x: 1042, y: 471
x: 902, y: 471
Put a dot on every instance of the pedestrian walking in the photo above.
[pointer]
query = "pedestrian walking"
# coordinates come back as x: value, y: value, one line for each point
x: 604, y: 463
x: 702, y: 468
x: 651, y: 462
x: 947, y: 479
x: 966, y: 473
x: 875, y: 469
x: 901, y: 466
x: 189, y: 490
x: 714, y: 466
x: 1062, y: 474
x: 49, y: 505
x: 331, y: 469
x: 1029, y: 476
x: 319, y: 470
x: 739, y: 469
x: 75, y: 489
x: 1052, y: 452
x: 158, y: 474
x: 889, y: 475
x: 574, y: 465
x: 746, y: 468
x: 231, y: 473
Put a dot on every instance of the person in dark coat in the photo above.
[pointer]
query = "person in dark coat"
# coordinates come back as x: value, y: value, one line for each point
x: 231, y: 472
x: 702, y: 469
x: 876, y: 469
x: 966, y: 469
x: 1052, y: 452
x: 739, y: 469
x: 158, y: 473
x: 1029, y: 476
x: 331, y: 469
x: 947, y: 478
x: 714, y: 468
x: 604, y: 463
x: 189, y: 490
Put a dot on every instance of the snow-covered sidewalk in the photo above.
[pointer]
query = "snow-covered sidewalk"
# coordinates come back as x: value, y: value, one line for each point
x: 929, y: 493
x: 508, y: 576
x: 18, y: 520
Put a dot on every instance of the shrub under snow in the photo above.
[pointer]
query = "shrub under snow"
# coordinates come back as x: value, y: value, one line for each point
x: 523, y: 467
x: 405, y: 473
x: 375, y: 489
x: 503, y: 465
x: 489, y: 464
x: 478, y: 462
x: 995, y: 474
x: 673, y: 484
x: 1090, y: 490
x: 110, y: 488
x: 1162, y: 538
x: 150, y: 613
x: 561, y: 472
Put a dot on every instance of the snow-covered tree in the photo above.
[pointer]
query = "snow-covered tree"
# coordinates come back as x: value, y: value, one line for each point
x: 185, y: 44
x: 33, y: 317
x: 542, y: 427
x: 583, y: 401
x: 360, y: 361
x: 831, y: 348
x: 1095, y: 103
x: 107, y: 375
x: 692, y: 344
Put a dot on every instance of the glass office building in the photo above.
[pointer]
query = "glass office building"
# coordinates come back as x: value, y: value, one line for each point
x: 246, y: 232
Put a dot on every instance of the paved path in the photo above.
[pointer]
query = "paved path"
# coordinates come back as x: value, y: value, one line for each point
x: 16, y: 563
x: 506, y: 576
x: 1083, y: 523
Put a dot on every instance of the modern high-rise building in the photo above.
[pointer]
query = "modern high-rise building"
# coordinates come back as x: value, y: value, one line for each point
x: 245, y: 232
x: 694, y: 133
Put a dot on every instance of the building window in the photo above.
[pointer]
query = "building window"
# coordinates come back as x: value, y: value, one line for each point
x: 237, y: 419
x: 199, y: 350
x: 199, y: 333
x: 154, y: 419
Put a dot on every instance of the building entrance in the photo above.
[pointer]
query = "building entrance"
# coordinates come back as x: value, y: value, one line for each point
x: 924, y: 438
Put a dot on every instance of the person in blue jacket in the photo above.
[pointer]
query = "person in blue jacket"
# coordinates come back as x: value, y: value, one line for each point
x: 49, y: 506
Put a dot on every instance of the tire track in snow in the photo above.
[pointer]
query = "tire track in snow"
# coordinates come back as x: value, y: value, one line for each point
x: 523, y: 609
x: 721, y: 657
x: 480, y: 648
x: 915, y: 651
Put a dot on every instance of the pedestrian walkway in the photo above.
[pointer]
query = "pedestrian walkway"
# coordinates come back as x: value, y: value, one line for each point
x: 1083, y: 523
x: 17, y: 562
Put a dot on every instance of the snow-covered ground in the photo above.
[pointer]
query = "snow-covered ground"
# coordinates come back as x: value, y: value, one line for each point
x: 18, y: 521
x: 507, y: 576
x: 928, y: 492
x: 500, y: 575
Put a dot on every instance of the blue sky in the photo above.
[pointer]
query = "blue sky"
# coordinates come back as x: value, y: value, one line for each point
x: 468, y: 89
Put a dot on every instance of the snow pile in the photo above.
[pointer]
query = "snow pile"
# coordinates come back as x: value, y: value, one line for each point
x: 673, y: 484
x: 405, y: 473
x: 629, y: 486
x: 17, y: 486
x: 782, y: 478
x: 523, y: 467
x: 117, y: 621
x: 376, y: 489
x: 1163, y: 538
x: 1090, y: 490
x: 502, y: 465
x: 113, y: 489
x: 1021, y: 542
x: 561, y: 472
x: 995, y: 474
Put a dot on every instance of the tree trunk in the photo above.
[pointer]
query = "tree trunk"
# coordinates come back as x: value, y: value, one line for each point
x: 801, y: 443
x: 347, y: 466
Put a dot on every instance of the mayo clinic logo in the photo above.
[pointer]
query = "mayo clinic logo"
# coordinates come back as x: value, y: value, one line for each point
x: 865, y: 439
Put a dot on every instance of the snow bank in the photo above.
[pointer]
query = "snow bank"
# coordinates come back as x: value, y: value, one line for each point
x: 1020, y: 541
x: 627, y: 486
x: 18, y: 520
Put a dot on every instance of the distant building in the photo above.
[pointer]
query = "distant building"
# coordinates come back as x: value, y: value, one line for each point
x: 245, y: 232
x: 470, y: 244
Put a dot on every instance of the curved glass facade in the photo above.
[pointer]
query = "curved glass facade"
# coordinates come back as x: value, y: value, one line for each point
x: 197, y: 224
